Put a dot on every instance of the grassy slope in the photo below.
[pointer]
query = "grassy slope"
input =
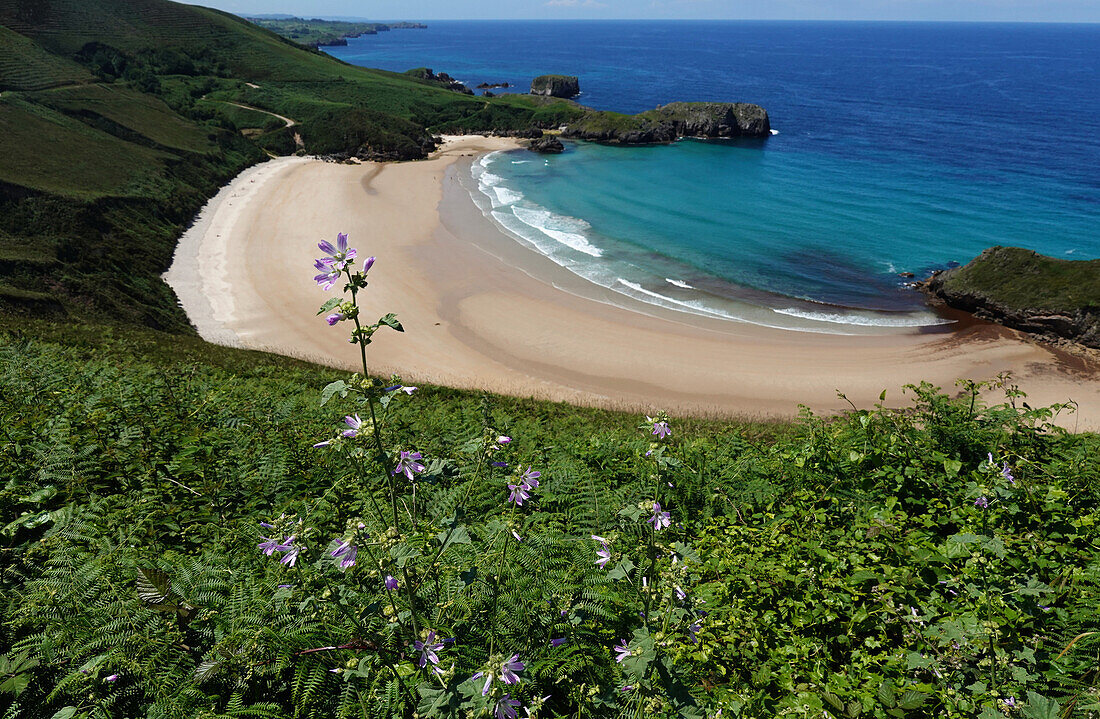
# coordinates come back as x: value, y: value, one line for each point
x: 103, y: 169
x: 1022, y: 279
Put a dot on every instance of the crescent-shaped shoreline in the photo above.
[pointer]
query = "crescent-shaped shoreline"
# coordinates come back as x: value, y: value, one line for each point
x: 483, y: 312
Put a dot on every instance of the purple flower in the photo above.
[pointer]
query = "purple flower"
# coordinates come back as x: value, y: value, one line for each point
x: 661, y: 429
x: 270, y: 545
x: 519, y: 494
x: 530, y: 478
x: 660, y: 519
x: 506, y: 707
x: 503, y: 439
x: 1010, y: 702
x: 334, y: 318
x: 981, y: 503
x: 680, y: 593
x: 516, y: 535
x: 291, y: 551
x: 509, y: 668
x: 114, y: 678
x: 428, y: 649
x: 326, y: 443
x: 409, y: 464
x: 353, y: 423
x: 391, y: 583
x: 345, y: 552
x: 339, y: 256
x: 408, y: 390
x: 328, y: 276
x: 1007, y: 474
x: 693, y: 630
x: 555, y: 643
x: 603, y: 556
x: 622, y: 650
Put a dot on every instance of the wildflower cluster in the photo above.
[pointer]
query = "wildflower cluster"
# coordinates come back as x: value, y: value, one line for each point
x: 391, y: 574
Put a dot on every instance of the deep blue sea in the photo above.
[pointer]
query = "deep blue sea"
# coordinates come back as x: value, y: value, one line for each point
x: 901, y: 147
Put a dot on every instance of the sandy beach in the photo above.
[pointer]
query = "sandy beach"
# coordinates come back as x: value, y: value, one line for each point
x: 483, y: 312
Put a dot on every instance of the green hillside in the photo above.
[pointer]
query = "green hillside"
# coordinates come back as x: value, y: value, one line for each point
x: 844, y: 569
x: 119, y: 118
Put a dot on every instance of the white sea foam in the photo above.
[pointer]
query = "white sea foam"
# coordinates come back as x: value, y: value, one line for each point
x: 679, y: 283
x: 566, y: 230
x: 775, y: 132
x: 864, y: 320
x: 520, y: 162
x: 505, y: 196
x: 697, y: 307
x: 488, y: 179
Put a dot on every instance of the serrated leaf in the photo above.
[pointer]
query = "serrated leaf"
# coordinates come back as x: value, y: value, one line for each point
x: 329, y: 305
x: 153, y: 586
x: 1040, y: 707
x: 332, y: 388
x: 912, y: 700
x: 952, y: 467
x: 455, y: 535
x: 886, y: 694
x: 390, y: 320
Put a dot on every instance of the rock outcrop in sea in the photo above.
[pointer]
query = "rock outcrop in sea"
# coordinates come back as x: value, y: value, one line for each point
x: 556, y: 86
x: 704, y: 120
x: 547, y: 145
x: 1018, y: 288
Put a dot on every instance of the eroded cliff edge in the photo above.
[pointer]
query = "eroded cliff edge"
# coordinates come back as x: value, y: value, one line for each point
x: 1018, y: 288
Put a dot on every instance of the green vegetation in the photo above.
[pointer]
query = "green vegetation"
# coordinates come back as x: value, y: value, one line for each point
x: 119, y: 118
x: 315, y: 32
x: 846, y: 566
x: 1021, y: 279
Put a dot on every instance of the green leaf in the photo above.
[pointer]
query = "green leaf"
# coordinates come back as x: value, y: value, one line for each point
x: 952, y: 467
x: 332, y: 388
x: 455, y: 535
x: 330, y: 304
x: 65, y: 713
x: 886, y: 694
x: 403, y: 553
x: 622, y: 570
x: 912, y: 700
x: 390, y: 320
x: 153, y: 586
x: 1039, y: 707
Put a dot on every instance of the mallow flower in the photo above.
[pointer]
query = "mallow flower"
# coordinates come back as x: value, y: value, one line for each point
x: 509, y: 668
x: 660, y: 519
x: 408, y: 464
x: 345, y: 552
x: 428, y: 649
x: 390, y: 582
x: 506, y: 707
x: 338, y: 256
x: 354, y: 424
x: 622, y: 651
x: 328, y: 275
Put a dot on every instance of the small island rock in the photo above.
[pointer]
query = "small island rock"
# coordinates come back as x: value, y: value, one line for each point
x: 547, y: 145
x: 556, y: 86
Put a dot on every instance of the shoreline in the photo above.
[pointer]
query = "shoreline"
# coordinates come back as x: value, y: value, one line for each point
x: 483, y: 312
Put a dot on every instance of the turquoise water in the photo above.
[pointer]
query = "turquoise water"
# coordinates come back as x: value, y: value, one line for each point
x: 900, y: 148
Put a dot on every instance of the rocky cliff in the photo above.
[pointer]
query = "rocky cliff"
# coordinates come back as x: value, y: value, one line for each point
x: 1018, y: 288
x: 709, y: 120
x: 556, y: 86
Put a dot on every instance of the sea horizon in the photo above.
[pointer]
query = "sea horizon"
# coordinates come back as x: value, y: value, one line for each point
x: 902, y: 148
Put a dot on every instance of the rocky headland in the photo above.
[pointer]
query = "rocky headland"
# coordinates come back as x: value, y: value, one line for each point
x: 564, y: 86
x: 1055, y: 299
x: 668, y: 123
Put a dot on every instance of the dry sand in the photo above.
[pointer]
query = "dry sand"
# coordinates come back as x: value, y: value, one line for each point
x: 482, y: 312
